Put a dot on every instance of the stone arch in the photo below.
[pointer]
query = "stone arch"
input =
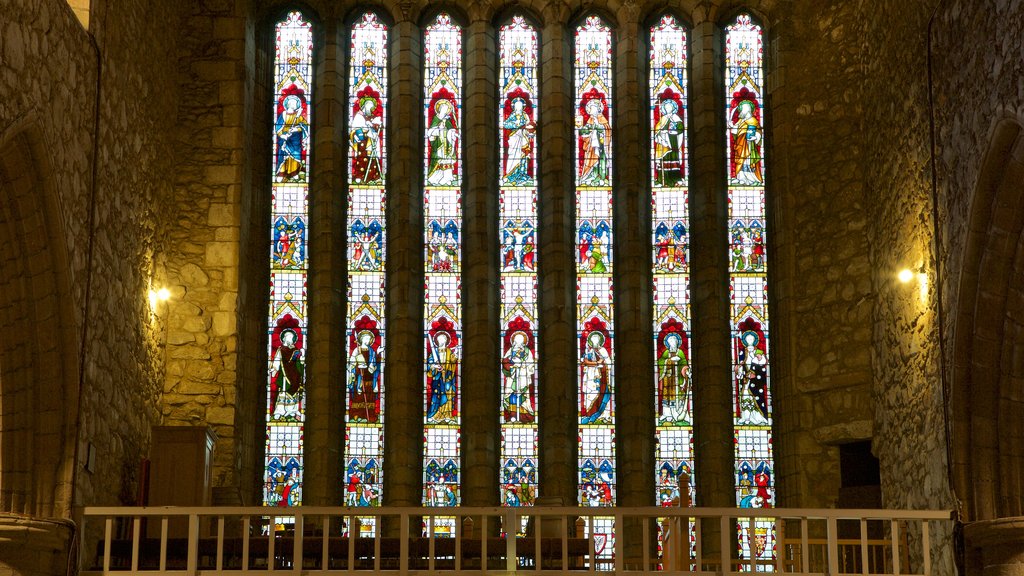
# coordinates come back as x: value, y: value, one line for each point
x: 988, y: 372
x: 38, y: 351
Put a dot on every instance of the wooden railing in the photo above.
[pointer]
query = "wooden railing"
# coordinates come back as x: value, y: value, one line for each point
x: 312, y: 540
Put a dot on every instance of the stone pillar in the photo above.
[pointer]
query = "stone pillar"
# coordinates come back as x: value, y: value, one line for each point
x: 709, y: 279
x: 403, y: 430
x: 325, y: 369
x: 556, y: 284
x: 480, y: 343
x: 634, y: 356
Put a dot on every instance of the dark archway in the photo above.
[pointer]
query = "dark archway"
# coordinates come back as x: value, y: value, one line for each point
x: 988, y: 373
x: 38, y: 351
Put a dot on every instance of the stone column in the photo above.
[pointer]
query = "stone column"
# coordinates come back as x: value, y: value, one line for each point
x: 403, y: 429
x: 480, y: 344
x: 709, y: 279
x: 325, y: 373
x: 556, y: 284
x: 634, y: 356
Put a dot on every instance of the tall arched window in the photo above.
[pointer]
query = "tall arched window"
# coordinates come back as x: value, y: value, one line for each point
x: 748, y: 282
x: 517, y: 185
x: 442, y: 212
x: 670, y: 224
x: 367, y: 236
x: 292, y: 81
x: 594, y: 320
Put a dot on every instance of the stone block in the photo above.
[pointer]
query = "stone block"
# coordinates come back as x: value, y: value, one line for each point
x: 221, y: 254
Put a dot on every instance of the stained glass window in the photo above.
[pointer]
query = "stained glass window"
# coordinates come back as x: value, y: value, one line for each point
x: 286, y: 324
x: 748, y: 282
x: 442, y: 212
x: 670, y: 225
x: 517, y: 203
x: 367, y: 234
x: 594, y: 322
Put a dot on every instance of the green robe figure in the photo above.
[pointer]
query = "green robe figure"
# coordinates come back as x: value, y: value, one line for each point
x: 673, y: 383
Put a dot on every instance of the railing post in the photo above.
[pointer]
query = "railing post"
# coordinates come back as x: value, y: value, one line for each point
x: 300, y: 530
x: 246, y: 528
x: 108, y: 534
x: 865, y: 569
x: 895, y: 534
x: 403, y: 542
x: 511, y: 528
x: 724, y: 541
x: 192, y: 563
x: 136, y: 535
x: 163, y: 543
x: 926, y: 545
x: 833, y: 547
x: 620, y: 537
x: 220, y: 543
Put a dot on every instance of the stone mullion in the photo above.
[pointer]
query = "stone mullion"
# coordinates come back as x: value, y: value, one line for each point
x: 633, y: 355
x: 709, y: 284
x: 325, y: 371
x: 557, y: 285
x: 403, y: 429
x: 480, y: 281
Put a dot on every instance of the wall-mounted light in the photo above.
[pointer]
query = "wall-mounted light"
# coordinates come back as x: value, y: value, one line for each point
x: 908, y: 275
x: 157, y: 296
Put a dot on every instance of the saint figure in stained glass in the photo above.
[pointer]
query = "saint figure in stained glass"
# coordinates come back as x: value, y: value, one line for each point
x: 594, y: 137
x: 520, y: 131
x: 443, y: 138
x: 518, y: 366
x: 365, y: 138
x: 747, y: 138
x: 673, y: 381
x: 364, y: 388
x: 518, y: 246
x: 360, y: 490
x: 290, y: 243
x: 286, y: 372
x: 283, y: 483
x: 442, y: 378
x: 669, y: 139
x: 751, y: 379
x: 292, y: 134
x: 594, y: 391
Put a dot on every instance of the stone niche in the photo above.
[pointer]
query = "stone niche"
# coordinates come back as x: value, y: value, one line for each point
x: 31, y: 546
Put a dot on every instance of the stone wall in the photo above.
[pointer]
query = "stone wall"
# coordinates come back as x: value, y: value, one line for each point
x: 822, y: 287
x: 134, y: 162
x: 203, y: 238
x: 977, y: 86
x: 109, y: 198
x: 217, y: 246
x: 48, y: 77
x: 910, y: 429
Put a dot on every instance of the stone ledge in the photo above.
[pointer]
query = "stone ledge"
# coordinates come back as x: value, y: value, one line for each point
x: 31, y: 546
x: 995, y: 547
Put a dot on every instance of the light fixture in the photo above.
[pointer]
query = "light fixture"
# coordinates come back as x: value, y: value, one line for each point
x: 905, y: 275
x: 157, y: 296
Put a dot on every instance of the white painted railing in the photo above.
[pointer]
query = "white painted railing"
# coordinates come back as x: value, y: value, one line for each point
x: 314, y: 540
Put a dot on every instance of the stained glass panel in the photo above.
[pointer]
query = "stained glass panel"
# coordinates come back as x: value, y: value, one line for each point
x: 442, y: 211
x: 752, y: 403
x: 595, y: 326
x: 670, y: 224
x: 367, y: 237
x: 517, y: 201
x: 286, y: 324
